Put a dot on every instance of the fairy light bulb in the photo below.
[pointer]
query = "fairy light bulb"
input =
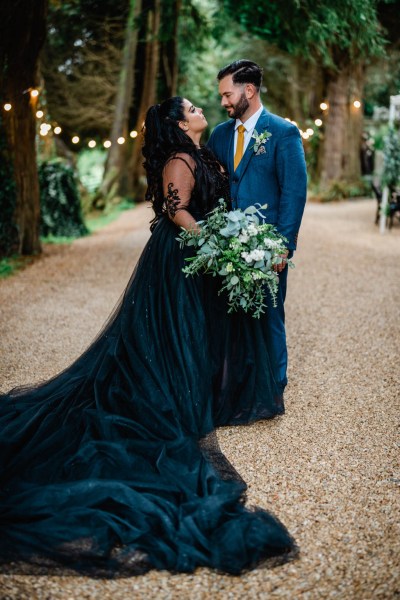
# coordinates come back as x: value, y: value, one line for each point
x: 310, y: 131
x: 39, y: 114
x: 357, y: 104
x: 7, y: 106
x: 92, y: 144
x: 121, y: 140
x: 34, y: 93
x: 57, y: 130
x: 107, y: 144
x: 75, y: 139
x: 323, y: 106
x: 133, y: 134
x: 318, y: 122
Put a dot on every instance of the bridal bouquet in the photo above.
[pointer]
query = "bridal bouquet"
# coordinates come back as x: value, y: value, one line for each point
x: 242, y: 250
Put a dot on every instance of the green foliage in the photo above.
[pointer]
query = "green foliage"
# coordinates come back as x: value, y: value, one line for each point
x: 391, y: 158
x: 10, y: 265
x: 97, y: 220
x: 311, y: 149
x: 331, y: 33
x: 91, y: 167
x: 61, y: 213
x: 241, y: 251
x: 341, y: 190
x: 8, y: 229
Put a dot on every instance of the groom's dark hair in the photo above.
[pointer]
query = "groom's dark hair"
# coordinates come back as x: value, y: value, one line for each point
x: 243, y: 71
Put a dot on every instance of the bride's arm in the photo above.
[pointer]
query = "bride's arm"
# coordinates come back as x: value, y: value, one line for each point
x: 178, y: 184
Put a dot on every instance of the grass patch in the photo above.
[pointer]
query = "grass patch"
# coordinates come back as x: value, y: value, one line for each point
x: 98, y: 219
x: 94, y: 221
x: 57, y: 239
x: 10, y: 265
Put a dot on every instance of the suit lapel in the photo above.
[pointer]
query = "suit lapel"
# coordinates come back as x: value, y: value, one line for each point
x: 261, y: 126
x: 229, y: 162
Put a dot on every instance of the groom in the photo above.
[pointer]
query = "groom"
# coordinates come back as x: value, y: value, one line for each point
x: 265, y: 159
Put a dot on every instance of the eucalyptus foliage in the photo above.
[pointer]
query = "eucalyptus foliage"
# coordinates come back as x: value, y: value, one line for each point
x: 60, y: 204
x: 242, y: 251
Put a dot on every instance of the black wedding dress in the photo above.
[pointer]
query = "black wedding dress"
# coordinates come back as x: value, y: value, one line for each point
x: 111, y: 467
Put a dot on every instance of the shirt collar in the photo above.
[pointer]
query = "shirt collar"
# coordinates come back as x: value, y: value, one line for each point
x: 251, y: 121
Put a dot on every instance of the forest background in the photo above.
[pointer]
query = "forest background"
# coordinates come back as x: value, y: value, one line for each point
x: 77, y: 77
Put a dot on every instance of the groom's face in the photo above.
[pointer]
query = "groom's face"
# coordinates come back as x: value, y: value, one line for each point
x: 233, y: 97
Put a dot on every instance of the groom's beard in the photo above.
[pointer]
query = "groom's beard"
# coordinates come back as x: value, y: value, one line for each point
x: 239, y: 108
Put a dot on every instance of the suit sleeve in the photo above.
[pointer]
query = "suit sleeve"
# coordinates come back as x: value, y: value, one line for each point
x: 292, y: 178
x: 215, y: 147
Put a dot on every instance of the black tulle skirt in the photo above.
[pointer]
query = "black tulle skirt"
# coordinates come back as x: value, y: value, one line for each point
x: 112, y: 466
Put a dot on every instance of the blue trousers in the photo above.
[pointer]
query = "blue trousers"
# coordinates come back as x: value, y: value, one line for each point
x: 277, y: 334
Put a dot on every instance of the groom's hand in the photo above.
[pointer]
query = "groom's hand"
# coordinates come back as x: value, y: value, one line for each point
x: 278, y: 268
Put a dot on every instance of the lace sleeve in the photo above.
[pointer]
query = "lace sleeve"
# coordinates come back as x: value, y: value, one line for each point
x: 178, y: 183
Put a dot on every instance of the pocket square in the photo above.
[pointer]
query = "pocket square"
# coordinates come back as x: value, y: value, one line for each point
x: 261, y: 150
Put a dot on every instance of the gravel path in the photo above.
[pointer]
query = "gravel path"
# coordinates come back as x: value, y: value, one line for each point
x: 329, y: 468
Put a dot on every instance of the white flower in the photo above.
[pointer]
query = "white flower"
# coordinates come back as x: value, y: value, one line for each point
x: 252, y: 229
x: 229, y: 268
x: 257, y: 254
x: 247, y: 257
x: 271, y: 243
x: 243, y: 237
x: 260, y: 138
x: 256, y: 276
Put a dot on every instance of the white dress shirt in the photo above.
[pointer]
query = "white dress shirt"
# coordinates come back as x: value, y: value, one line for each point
x: 249, y: 126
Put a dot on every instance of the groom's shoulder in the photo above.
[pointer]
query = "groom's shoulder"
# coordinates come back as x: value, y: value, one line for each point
x: 222, y: 128
x: 282, y: 125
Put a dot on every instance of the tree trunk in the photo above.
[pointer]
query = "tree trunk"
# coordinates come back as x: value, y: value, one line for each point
x: 148, y: 95
x: 21, y: 41
x: 170, y: 52
x: 340, y: 154
x: 352, y: 169
x: 333, y: 154
x: 113, y: 171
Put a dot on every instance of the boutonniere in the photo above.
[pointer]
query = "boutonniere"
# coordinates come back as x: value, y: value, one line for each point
x: 260, y: 141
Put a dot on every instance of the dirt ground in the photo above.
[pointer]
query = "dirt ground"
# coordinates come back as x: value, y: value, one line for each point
x: 329, y: 468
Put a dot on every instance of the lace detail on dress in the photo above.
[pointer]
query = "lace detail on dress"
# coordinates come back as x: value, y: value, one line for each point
x: 172, y: 200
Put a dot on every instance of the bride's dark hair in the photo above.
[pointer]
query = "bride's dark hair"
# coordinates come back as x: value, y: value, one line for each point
x: 163, y: 138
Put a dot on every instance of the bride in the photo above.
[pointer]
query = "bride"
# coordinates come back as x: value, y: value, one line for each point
x: 113, y: 466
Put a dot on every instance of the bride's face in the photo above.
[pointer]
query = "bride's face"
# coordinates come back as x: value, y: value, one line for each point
x: 195, y: 121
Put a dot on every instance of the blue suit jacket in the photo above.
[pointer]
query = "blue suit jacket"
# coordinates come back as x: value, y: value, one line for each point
x: 277, y: 177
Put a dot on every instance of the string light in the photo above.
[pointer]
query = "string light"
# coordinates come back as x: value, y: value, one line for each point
x: 318, y: 122
x: 34, y: 93
x: 323, y: 106
x: 57, y: 130
x: 133, y: 134
x: 107, y: 144
x: 75, y: 139
x: 121, y: 140
x: 44, y: 128
x: 357, y: 104
x: 39, y: 114
x: 7, y: 106
x: 92, y: 144
x: 310, y: 131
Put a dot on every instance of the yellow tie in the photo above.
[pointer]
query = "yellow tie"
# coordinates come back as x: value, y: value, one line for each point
x: 239, y: 147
